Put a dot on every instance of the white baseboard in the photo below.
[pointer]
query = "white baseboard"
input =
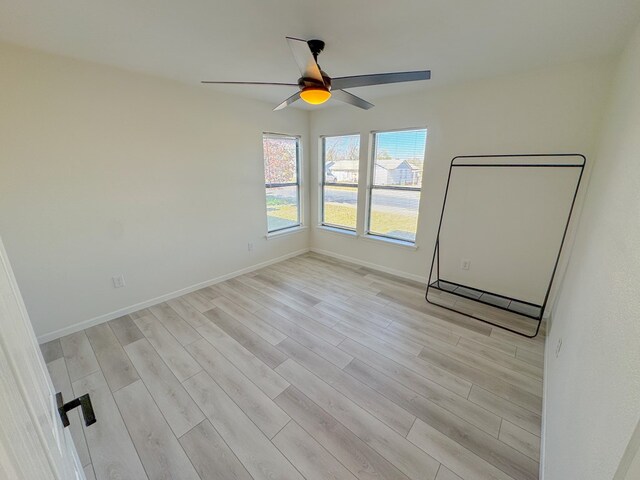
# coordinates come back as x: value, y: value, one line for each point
x: 47, y: 337
x: 374, y: 266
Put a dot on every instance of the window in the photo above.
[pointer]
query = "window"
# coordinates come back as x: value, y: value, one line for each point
x: 396, y: 179
x: 282, y: 181
x: 341, y: 160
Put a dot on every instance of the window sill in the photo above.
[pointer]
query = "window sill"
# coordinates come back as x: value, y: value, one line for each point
x: 339, y: 231
x: 285, y: 232
x: 391, y: 241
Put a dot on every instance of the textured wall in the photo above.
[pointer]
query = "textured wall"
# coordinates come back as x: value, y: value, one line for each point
x: 107, y: 172
x: 593, y: 387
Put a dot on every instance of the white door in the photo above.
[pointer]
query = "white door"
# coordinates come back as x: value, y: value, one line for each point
x: 33, y: 443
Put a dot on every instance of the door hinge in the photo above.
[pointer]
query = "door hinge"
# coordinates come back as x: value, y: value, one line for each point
x: 84, y: 402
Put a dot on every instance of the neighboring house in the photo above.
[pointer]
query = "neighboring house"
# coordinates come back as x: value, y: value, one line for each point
x: 388, y: 172
x: 342, y: 171
x: 397, y: 172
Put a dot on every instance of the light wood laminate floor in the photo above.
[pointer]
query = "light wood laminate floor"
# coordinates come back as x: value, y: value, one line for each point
x: 310, y: 368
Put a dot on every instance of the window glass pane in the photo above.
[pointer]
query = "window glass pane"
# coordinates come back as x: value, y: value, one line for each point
x: 394, y: 213
x: 340, y: 204
x: 341, y: 159
x: 282, y: 207
x: 399, y: 158
x: 280, y: 159
x: 341, y: 164
x: 281, y: 165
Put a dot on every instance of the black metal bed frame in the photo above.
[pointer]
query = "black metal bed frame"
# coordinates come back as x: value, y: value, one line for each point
x: 436, y: 252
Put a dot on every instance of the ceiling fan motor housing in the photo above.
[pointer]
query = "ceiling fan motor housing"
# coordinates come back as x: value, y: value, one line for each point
x: 312, y: 82
x: 316, y: 47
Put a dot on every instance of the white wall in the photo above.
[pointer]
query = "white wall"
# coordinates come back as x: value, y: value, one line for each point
x: 593, y: 387
x: 509, y: 222
x: 106, y: 172
x: 548, y: 111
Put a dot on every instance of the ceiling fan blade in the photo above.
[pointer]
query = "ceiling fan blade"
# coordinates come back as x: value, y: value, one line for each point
x: 304, y: 58
x: 288, y: 101
x: 251, y: 83
x: 351, y: 99
x: 379, y: 79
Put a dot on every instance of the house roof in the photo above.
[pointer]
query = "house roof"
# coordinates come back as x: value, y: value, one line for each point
x: 344, y: 166
x: 394, y: 163
x: 354, y: 165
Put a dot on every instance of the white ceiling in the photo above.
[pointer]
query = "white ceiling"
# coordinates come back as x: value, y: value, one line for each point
x: 192, y: 40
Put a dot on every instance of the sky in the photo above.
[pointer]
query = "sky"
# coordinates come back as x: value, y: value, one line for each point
x: 402, y: 145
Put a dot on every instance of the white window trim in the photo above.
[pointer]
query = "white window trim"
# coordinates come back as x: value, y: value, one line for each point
x: 368, y: 235
x: 338, y: 230
x: 299, y: 183
x: 286, y: 231
x: 321, y: 184
x: 390, y: 241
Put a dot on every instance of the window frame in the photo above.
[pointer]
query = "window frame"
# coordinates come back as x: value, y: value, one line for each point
x: 297, y: 183
x: 371, y: 187
x: 323, y: 183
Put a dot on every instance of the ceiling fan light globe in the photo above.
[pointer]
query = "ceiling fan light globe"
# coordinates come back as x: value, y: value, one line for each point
x: 315, y: 95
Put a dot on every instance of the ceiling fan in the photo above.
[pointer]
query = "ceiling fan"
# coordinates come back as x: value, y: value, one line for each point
x: 316, y: 87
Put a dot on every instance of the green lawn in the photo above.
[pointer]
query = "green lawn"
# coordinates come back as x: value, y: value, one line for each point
x: 341, y: 214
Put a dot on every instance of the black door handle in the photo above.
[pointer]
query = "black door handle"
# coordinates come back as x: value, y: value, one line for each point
x: 84, y: 402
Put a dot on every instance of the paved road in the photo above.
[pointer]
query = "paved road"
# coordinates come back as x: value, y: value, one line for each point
x: 385, y: 199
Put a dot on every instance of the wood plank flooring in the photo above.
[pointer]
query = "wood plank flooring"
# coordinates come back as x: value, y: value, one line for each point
x: 310, y: 368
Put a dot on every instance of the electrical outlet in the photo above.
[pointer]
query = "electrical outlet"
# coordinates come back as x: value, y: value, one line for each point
x: 465, y: 264
x: 118, y: 282
x: 250, y: 247
x: 558, y: 347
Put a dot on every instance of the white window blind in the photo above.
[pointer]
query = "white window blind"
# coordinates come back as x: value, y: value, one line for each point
x: 395, y: 186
